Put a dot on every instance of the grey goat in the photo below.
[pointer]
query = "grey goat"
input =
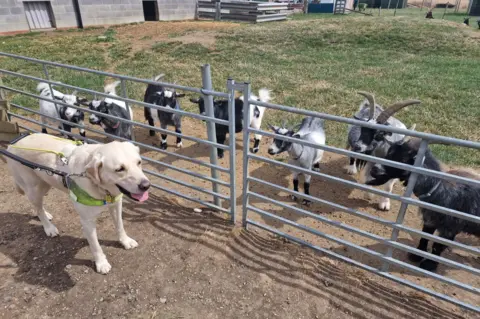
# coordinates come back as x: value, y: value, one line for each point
x: 374, y: 142
x: 310, y: 130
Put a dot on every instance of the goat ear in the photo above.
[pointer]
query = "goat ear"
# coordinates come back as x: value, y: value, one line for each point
x: 196, y: 101
x: 74, y: 92
x: 179, y: 94
x: 83, y: 101
x: 93, y: 168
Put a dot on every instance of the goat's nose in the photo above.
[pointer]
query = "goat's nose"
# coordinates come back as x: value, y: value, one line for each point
x: 144, y: 185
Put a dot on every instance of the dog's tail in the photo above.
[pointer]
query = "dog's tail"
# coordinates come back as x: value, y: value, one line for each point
x: 158, y: 77
x: 110, y: 88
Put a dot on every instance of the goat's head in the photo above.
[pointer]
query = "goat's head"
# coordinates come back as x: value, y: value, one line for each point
x: 370, y: 138
x: 98, y: 106
x: 278, y: 146
x: 168, y: 97
x: 404, y: 151
x: 70, y: 113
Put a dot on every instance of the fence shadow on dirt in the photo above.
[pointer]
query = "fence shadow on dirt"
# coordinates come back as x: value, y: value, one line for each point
x: 24, y: 241
x: 285, y: 263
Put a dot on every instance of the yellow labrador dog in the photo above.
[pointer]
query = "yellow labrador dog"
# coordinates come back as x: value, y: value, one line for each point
x: 98, y: 176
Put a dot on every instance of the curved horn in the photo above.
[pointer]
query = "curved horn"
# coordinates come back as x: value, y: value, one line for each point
x: 394, y: 108
x: 271, y: 127
x: 371, y: 101
x: 407, y: 138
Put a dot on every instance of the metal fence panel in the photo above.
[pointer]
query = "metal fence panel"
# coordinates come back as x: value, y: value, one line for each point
x: 386, y: 258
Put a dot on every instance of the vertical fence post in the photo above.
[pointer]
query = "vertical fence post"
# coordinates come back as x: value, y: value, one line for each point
x: 408, y: 192
x: 218, y: 10
x: 246, y: 149
x: 232, y: 145
x: 212, y: 137
x: 395, y: 12
x: 47, y: 77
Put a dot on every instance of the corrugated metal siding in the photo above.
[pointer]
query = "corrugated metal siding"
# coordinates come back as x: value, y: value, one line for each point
x: 38, y: 14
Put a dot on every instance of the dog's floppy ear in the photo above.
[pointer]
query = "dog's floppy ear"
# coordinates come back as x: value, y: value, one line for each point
x: 93, y: 168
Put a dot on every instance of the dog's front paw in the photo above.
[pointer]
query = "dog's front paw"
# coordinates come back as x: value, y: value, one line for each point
x: 128, y: 243
x: 51, y: 230
x: 103, y: 266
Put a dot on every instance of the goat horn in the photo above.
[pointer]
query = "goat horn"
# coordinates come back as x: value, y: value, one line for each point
x: 371, y: 101
x: 284, y: 123
x: 271, y: 126
x: 394, y: 108
x: 407, y: 138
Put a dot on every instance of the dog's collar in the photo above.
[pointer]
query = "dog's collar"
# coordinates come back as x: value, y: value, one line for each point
x: 79, y: 195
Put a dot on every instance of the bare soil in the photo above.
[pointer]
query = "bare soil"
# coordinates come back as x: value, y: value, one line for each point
x: 198, y: 265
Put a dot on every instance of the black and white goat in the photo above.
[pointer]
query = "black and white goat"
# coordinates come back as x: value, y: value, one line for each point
x: 460, y: 197
x: 113, y: 107
x: 61, y: 111
x: 311, y: 130
x: 374, y: 142
x: 220, y: 110
x: 161, y: 96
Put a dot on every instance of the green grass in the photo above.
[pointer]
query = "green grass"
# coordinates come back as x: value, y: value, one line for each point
x: 315, y: 62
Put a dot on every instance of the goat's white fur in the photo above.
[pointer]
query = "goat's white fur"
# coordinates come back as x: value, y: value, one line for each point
x: 49, y: 109
x: 100, y: 163
x: 110, y: 89
x: 256, y: 123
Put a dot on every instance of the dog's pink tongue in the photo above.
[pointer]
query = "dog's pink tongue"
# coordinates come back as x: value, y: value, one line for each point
x: 141, y: 197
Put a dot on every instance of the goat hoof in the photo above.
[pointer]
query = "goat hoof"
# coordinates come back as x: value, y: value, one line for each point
x: 384, y: 205
x: 306, y: 202
x: 163, y: 146
x: 429, y: 265
x: 294, y: 198
x: 179, y: 145
x: 152, y: 133
x: 254, y: 150
x: 44, y: 131
x: 414, y: 258
x: 220, y: 155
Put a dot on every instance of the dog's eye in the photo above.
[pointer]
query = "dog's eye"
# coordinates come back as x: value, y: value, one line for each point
x: 120, y: 169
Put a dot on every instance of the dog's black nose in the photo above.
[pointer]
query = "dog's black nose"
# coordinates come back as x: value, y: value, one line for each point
x: 144, y: 185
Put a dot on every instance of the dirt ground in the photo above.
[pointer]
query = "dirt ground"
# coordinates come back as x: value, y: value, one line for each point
x: 198, y: 265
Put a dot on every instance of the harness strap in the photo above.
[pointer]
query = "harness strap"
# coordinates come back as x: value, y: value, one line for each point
x: 80, y: 196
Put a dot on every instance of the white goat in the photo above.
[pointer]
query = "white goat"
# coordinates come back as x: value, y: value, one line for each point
x: 60, y: 111
x: 256, y: 114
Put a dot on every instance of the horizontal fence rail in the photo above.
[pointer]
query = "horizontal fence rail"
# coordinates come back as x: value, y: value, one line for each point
x: 206, y: 91
x: 386, y: 258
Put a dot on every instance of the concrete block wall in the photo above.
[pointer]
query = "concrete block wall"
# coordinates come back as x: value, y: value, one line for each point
x: 98, y: 12
x: 12, y: 15
x: 176, y: 9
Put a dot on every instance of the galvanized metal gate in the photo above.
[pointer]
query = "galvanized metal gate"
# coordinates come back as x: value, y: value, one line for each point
x: 39, y: 14
x: 387, y: 258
